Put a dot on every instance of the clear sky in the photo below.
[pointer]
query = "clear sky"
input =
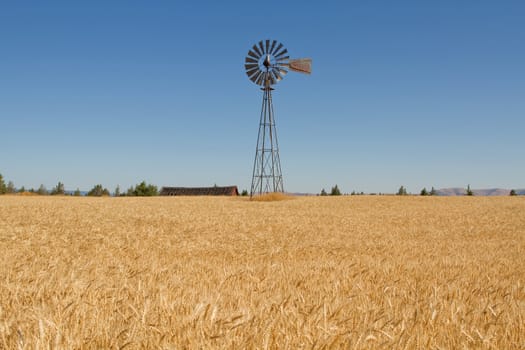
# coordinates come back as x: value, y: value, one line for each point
x: 412, y: 93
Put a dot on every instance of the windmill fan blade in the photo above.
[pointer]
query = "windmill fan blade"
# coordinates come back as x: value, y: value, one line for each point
x: 251, y: 71
x: 282, y: 59
x: 276, y: 75
x: 272, y: 79
x: 253, y: 54
x: 281, y: 65
x: 251, y: 66
x: 249, y: 59
x: 301, y: 65
x: 267, y: 46
x: 255, y: 76
x: 260, y: 78
x: 281, y: 53
x: 273, y: 46
x: 277, y: 49
x: 267, y: 79
x: 256, y: 49
x: 261, y: 47
x: 269, y: 76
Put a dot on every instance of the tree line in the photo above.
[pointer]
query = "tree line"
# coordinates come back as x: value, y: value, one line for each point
x: 467, y: 192
x: 140, y: 190
x: 143, y: 190
x: 402, y: 191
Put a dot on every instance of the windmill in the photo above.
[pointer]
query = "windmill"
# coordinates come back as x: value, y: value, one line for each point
x: 266, y: 64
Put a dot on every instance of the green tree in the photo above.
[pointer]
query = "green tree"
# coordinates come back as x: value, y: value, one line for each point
x: 77, y: 192
x: 433, y: 191
x: 3, y: 188
x: 58, y: 189
x: 424, y: 192
x: 244, y: 193
x: 42, y: 190
x: 402, y: 191
x: 98, y: 191
x: 513, y: 193
x: 144, y: 190
x: 117, y: 191
x: 10, y: 187
x: 22, y: 189
x: 335, y: 191
x: 469, y: 191
x: 130, y: 191
x: 323, y: 192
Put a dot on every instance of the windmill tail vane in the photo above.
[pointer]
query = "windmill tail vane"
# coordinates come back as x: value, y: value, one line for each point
x: 301, y: 65
x: 266, y: 64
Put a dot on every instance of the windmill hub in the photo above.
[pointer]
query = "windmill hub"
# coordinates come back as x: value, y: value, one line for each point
x: 267, y: 63
x: 267, y: 175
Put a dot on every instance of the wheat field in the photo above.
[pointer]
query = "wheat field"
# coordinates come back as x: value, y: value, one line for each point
x: 356, y: 272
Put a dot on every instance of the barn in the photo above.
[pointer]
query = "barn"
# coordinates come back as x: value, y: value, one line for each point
x: 200, y: 191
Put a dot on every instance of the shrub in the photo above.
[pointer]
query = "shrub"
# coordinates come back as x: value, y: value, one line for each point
x: 402, y: 191
x: 271, y: 197
x: 335, y: 191
x: 98, y: 191
x: 3, y: 188
x: 10, y: 187
x: 144, y: 190
x: 42, y: 190
x: 58, y: 189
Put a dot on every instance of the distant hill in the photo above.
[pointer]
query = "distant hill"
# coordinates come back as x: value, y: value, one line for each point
x: 459, y: 191
x: 456, y: 191
x: 300, y: 194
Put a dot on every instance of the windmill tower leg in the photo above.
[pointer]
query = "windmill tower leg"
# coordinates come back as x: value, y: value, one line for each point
x: 267, y: 175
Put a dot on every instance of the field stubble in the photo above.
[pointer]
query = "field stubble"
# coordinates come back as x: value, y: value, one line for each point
x: 319, y: 272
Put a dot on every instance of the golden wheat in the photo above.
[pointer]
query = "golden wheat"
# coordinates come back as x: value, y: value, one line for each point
x: 319, y: 272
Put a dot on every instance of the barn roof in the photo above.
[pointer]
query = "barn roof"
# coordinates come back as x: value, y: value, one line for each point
x: 200, y: 191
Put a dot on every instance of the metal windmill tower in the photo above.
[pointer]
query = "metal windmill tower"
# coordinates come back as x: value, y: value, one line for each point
x: 266, y: 64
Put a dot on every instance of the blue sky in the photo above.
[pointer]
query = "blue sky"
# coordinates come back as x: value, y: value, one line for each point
x: 406, y: 93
